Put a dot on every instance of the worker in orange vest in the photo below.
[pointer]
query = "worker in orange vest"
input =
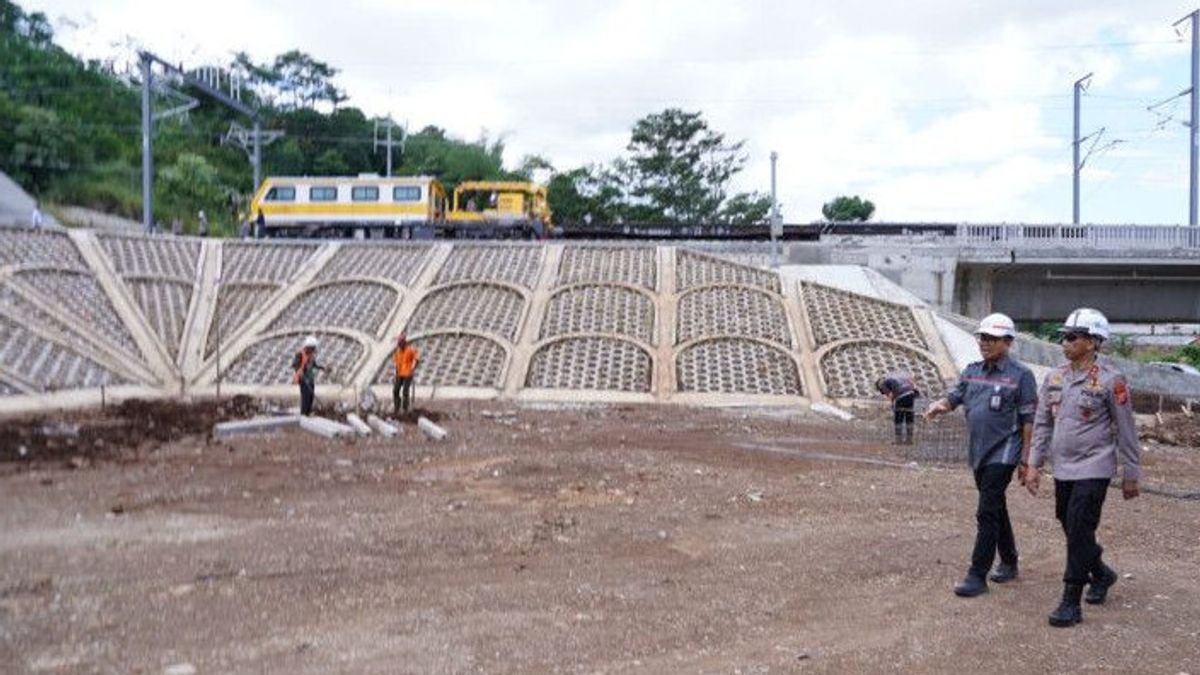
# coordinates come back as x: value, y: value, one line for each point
x: 305, y: 367
x: 405, y: 357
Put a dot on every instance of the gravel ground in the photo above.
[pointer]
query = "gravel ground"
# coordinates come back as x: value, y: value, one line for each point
x: 591, y: 540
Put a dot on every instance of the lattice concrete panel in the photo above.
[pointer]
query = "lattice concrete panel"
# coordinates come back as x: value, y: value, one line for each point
x: 235, y: 304
x: 398, y: 263
x: 28, y: 247
x: 48, y: 365
x: 167, y: 257
x: 81, y: 297
x: 735, y: 366
x: 591, y: 363
x: 837, y: 315
x: 165, y: 305
x: 850, y: 370
x: 358, y: 306
x: 595, y: 264
x: 453, y: 360
x: 600, y: 309
x: 270, y: 361
x: 261, y: 262
x: 694, y: 269
x: 28, y: 314
x: 8, y: 389
x: 514, y: 264
x: 472, y: 307
x: 727, y: 310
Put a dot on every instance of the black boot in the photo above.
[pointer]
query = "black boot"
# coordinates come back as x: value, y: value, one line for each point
x: 899, y: 435
x: 1004, y: 573
x: 1097, y: 591
x: 971, y: 586
x: 1068, y: 613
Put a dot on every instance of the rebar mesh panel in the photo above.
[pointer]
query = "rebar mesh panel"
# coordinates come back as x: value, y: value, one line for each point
x: 32, y: 247
x: 47, y: 365
x: 482, y: 308
x: 168, y: 258
x: 736, y: 366
x: 453, y: 360
x: 270, y: 361
x: 394, y: 262
x: 600, y: 309
x: 594, y: 363
x: 838, y: 315
x: 850, y: 371
x: 81, y: 297
x: 595, y: 264
x: 235, y: 304
x: 261, y: 262
x: 164, y: 303
x: 694, y: 269
x: 513, y: 264
x: 358, y: 306
x: 731, y: 311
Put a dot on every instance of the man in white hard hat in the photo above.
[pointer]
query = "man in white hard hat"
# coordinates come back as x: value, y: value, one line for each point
x: 304, y: 368
x: 999, y: 396
x: 1085, y: 426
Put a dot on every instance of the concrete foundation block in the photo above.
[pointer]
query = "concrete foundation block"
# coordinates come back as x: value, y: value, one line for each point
x: 257, y: 425
x: 326, y: 428
x: 430, y: 429
x: 381, y: 427
x: 359, y: 425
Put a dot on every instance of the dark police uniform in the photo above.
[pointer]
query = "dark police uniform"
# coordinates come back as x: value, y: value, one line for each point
x: 1085, y: 425
x: 999, y: 399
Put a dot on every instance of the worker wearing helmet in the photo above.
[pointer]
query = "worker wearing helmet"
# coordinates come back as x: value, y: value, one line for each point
x: 999, y: 396
x: 900, y: 389
x: 1085, y: 426
x: 304, y: 373
x: 405, y: 358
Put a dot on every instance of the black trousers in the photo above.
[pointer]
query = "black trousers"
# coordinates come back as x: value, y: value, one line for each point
x: 1077, y: 504
x: 994, y: 530
x: 401, y: 387
x: 902, y: 417
x: 307, y: 393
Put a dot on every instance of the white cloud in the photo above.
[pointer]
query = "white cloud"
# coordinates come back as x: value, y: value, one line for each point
x: 935, y: 110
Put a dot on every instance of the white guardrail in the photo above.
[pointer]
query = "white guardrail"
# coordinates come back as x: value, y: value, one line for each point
x: 1141, y: 237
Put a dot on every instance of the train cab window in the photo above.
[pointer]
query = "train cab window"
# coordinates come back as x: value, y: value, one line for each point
x: 322, y: 194
x: 281, y: 194
x: 364, y: 194
x: 406, y: 193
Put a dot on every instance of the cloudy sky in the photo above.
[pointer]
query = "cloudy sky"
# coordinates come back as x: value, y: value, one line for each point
x: 937, y: 110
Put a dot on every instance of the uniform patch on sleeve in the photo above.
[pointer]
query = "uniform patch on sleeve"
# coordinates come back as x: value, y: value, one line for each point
x: 1121, y: 392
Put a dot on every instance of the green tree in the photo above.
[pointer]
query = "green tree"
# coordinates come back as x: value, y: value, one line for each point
x: 188, y: 185
x: 680, y: 167
x: 584, y: 194
x: 746, y: 208
x: 305, y: 80
x: 848, y: 210
x: 330, y: 163
x: 42, y: 147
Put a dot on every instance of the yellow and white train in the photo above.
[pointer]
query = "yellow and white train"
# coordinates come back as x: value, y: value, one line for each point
x: 370, y: 206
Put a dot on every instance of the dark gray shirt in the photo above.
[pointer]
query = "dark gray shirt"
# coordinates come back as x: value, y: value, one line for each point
x: 998, y: 400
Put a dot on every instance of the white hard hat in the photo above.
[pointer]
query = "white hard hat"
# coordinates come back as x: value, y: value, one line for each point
x: 997, y: 325
x: 1086, y: 320
x: 311, y: 341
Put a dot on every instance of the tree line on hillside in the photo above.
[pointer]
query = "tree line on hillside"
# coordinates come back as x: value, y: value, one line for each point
x: 76, y: 138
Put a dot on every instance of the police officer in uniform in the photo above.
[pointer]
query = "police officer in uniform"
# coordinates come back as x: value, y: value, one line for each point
x: 1085, y: 426
x: 999, y: 395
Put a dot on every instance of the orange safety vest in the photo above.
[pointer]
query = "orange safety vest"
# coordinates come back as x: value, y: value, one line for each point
x: 303, y: 356
x: 405, y: 360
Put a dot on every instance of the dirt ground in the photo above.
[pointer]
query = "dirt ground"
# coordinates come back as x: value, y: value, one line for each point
x: 586, y: 540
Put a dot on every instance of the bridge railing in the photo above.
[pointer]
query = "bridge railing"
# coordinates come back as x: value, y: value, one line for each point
x: 1157, y: 237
